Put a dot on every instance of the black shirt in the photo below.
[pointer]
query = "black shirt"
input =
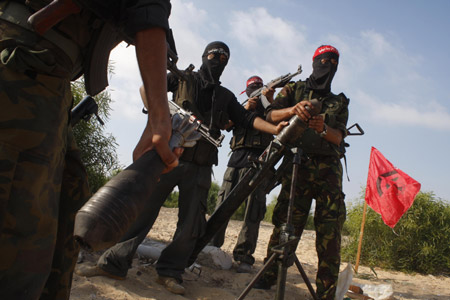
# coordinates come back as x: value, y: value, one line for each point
x: 237, y: 114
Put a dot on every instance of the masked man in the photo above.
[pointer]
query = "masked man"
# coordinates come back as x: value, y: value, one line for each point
x: 202, y: 94
x: 320, y: 171
x: 246, y: 144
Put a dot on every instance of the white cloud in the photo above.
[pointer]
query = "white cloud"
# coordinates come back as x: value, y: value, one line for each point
x: 125, y: 83
x: 269, y: 41
x: 187, y: 22
x: 377, y: 45
x: 262, y: 44
x: 433, y: 115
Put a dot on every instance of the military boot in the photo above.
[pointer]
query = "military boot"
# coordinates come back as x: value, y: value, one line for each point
x: 263, y: 284
x: 91, y: 271
x: 244, y: 268
x: 171, y: 284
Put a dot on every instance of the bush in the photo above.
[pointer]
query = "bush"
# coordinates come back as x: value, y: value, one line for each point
x: 418, y: 243
x: 212, y: 197
x: 269, y: 210
x: 97, y: 148
x: 172, y: 199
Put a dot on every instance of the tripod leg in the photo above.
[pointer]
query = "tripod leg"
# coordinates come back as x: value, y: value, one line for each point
x: 281, y: 280
x: 305, y: 278
x: 269, y: 262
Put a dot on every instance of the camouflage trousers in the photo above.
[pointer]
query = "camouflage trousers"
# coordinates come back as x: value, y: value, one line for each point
x: 319, y: 178
x: 42, y: 183
x: 254, y: 214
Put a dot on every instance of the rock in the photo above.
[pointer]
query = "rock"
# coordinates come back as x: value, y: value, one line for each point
x: 215, y: 257
x: 210, y: 256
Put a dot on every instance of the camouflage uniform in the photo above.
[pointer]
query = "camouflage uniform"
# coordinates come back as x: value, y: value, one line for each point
x: 42, y: 180
x: 43, y: 185
x: 319, y: 178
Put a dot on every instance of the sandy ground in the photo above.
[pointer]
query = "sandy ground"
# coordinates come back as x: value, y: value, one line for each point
x: 227, y: 284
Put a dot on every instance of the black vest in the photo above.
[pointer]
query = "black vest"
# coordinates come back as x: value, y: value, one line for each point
x: 250, y: 137
x: 189, y: 96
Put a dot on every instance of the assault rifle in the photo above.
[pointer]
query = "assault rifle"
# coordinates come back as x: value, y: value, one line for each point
x: 172, y: 58
x: 199, y: 126
x: 84, y: 110
x: 275, y: 83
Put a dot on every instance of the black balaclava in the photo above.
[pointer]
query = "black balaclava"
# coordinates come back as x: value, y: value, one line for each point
x: 212, y: 69
x: 322, y: 75
x: 253, y: 83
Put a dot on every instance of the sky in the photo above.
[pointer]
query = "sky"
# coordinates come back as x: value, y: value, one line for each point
x: 393, y: 66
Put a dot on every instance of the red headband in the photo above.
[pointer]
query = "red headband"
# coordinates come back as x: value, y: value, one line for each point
x: 252, y: 80
x: 325, y: 49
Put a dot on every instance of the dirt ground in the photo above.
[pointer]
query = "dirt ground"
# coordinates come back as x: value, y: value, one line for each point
x: 217, y: 284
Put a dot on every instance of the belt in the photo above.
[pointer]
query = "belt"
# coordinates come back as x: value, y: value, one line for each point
x: 18, y: 14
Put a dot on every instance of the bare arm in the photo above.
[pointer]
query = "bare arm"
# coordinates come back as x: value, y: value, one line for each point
x: 262, y: 125
x: 151, y: 52
x: 300, y: 109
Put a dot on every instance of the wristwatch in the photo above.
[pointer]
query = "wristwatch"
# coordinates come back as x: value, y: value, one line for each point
x: 324, y: 131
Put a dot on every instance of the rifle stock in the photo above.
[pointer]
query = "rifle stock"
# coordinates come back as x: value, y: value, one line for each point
x: 52, y: 14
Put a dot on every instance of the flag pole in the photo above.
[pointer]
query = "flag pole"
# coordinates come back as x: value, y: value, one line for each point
x: 358, y: 254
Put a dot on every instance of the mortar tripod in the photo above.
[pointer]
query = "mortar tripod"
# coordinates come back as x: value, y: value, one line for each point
x: 284, y: 254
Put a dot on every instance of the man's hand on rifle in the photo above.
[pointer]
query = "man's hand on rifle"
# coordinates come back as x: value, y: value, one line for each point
x: 268, y: 92
x: 251, y: 103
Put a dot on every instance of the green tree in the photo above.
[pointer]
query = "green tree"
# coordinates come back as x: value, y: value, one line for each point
x: 212, y: 197
x: 418, y: 243
x: 172, y: 199
x: 269, y: 210
x: 98, y: 149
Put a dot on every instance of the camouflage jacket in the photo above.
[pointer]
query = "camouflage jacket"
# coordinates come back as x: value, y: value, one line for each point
x: 334, y: 110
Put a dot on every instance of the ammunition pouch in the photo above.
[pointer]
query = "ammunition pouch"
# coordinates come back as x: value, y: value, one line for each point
x: 186, y: 92
x: 249, y: 138
x: 185, y: 96
x: 73, y: 57
x: 203, y: 154
x: 13, y: 22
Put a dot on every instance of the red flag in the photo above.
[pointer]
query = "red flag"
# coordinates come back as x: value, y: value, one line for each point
x: 390, y: 192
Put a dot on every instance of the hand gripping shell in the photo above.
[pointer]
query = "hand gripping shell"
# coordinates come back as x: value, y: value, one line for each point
x: 111, y: 211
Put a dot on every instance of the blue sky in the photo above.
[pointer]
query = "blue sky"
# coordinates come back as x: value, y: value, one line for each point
x: 394, y: 67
